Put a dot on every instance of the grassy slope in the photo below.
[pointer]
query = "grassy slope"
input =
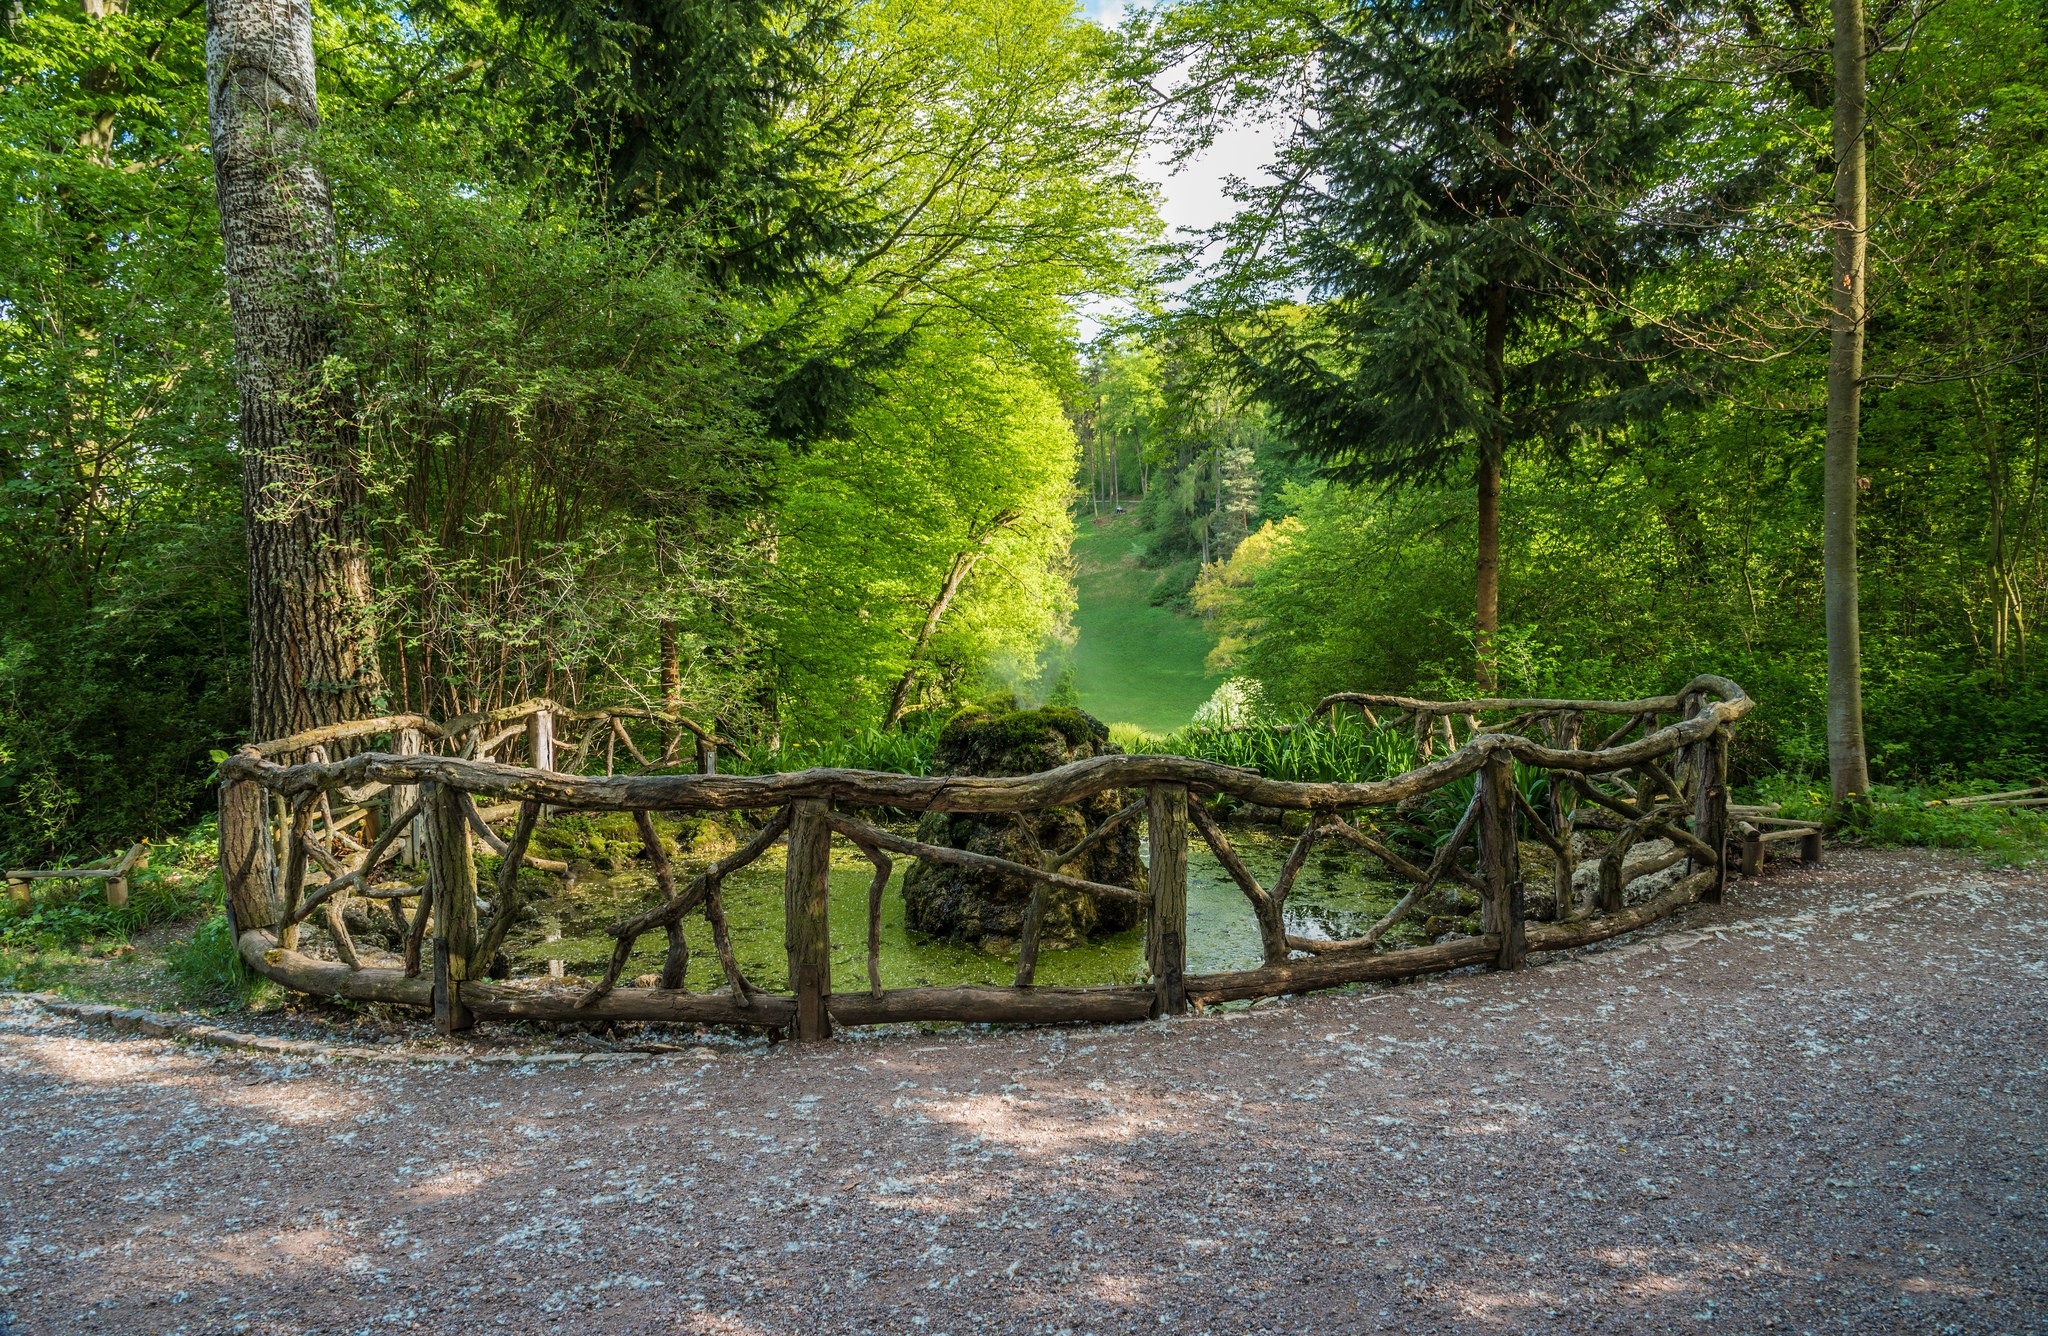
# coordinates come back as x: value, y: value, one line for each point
x: 1133, y: 663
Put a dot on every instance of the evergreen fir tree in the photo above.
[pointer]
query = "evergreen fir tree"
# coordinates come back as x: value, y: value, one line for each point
x: 1476, y: 185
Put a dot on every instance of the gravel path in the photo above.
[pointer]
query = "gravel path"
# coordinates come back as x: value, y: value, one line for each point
x: 1819, y: 1110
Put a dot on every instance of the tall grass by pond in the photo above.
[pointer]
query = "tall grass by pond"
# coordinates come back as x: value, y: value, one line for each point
x: 1341, y: 750
x: 896, y: 751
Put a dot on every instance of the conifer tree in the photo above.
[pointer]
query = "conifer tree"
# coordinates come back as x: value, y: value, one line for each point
x: 1460, y: 208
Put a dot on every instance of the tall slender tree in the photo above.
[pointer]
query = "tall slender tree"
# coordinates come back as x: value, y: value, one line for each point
x: 1848, y: 765
x: 312, y: 648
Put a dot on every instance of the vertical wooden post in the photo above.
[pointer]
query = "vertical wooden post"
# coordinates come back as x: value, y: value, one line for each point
x: 1500, y: 860
x: 1167, y: 878
x: 540, y: 739
x: 451, y: 881
x: 1565, y: 737
x: 806, y: 889
x: 22, y: 891
x: 117, y: 891
x: 411, y: 845
x: 1710, y: 811
x: 246, y: 870
x: 293, y: 883
x: 1809, y: 848
x: 1752, y: 851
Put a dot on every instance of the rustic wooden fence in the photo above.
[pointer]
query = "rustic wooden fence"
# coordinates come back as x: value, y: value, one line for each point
x: 1657, y: 771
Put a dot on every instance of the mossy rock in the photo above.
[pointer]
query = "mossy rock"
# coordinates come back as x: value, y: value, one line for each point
x: 985, y: 908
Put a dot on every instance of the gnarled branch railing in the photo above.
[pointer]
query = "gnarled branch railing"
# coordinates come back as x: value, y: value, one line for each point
x: 1668, y: 783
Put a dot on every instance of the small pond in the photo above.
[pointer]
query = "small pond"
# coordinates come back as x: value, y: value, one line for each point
x: 1334, y: 897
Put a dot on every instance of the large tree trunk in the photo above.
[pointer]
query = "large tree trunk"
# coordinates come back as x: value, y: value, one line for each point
x: 1848, y: 767
x: 1486, y: 572
x: 312, y: 645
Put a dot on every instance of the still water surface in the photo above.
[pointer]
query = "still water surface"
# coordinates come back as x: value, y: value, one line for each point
x: 1333, y: 898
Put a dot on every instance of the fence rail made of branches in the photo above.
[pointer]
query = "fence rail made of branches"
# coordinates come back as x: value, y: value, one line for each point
x: 1654, y: 770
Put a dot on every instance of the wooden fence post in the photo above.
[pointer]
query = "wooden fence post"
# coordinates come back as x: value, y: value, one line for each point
x: 806, y: 889
x: 1710, y: 811
x: 451, y: 881
x: 1166, y: 937
x: 1500, y: 860
x: 246, y: 870
x: 406, y: 742
x: 1565, y: 733
x: 540, y: 739
x: 1752, y: 851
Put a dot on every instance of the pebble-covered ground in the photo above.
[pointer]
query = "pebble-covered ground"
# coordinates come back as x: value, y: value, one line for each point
x: 1820, y: 1109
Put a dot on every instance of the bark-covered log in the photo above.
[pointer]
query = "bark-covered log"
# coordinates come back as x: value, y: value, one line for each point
x: 950, y: 793
x: 1707, y: 682
x: 1558, y: 936
x: 348, y: 731
x: 1166, y: 881
x: 500, y: 1003
x: 325, y: 978
x: 1012, y: 1006
x: 807, y: 890
x: 1339, y: 968
x: 451, y: 885
x: 1500, y: 861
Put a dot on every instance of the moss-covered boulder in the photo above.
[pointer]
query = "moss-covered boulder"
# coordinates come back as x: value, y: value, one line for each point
x: 985, y: 908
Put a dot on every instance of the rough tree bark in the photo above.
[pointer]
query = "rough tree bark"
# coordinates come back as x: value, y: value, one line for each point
x: 1848, y: 766
x: 312, y: 648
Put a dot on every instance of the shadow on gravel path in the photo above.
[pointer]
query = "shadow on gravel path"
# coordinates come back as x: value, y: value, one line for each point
x: 1818, y: 1109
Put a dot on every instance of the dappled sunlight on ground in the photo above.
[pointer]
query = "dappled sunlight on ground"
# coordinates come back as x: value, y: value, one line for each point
x: 1772, y: 1117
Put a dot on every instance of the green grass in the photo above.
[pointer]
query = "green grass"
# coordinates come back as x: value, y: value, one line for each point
x: 1134, y: 664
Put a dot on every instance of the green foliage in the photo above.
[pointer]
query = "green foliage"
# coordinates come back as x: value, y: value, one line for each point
x: 1172, y: 586
x: 1341, y: 749
x: 560, y: 446
x: 210, y: 968
x: 1901, y: 816
x: 1487, y: 195
x: 930, y: 541
x: 904, y: 751
x: 180, y: 879
x: 122, y: 645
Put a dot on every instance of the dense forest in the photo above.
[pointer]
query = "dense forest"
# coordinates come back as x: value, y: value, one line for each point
x: 758, y: 360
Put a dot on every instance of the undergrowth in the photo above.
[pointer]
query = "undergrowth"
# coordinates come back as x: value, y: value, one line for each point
x: 1344, y: 750
x: 181, y: 880
x: 1900, y: 817
x: 69, y: 924
x: 899, y: 752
